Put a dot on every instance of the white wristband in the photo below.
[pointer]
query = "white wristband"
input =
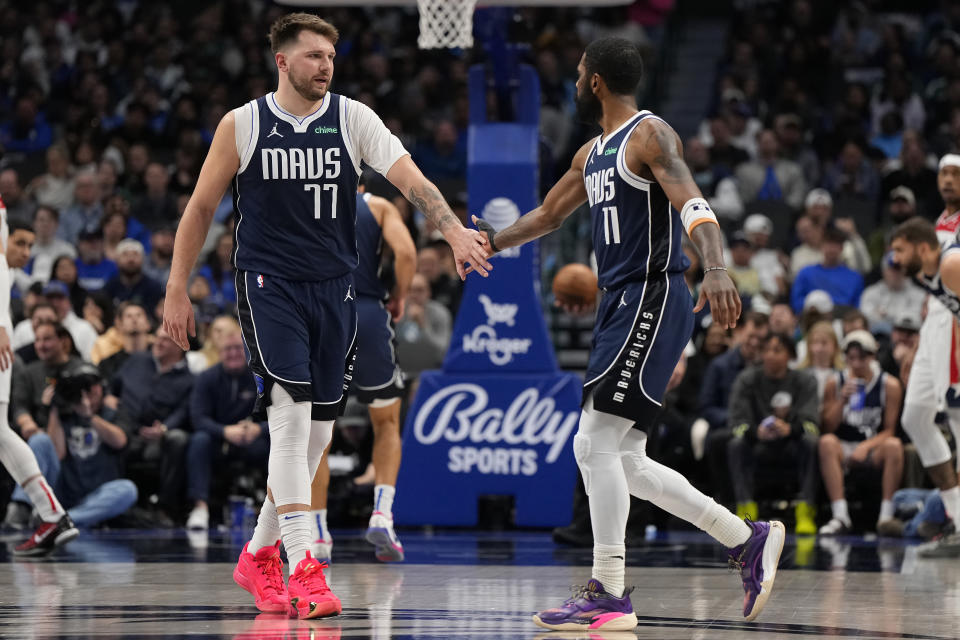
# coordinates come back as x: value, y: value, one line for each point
x: 694, y: 212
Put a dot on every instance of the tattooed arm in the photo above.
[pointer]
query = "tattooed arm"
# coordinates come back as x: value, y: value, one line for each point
x: 654, y: 152
x: 565, y: 196
x: 468, y: 246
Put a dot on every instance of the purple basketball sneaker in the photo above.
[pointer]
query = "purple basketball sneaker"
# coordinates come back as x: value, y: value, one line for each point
x: 756, y: 560
x: 592, y: 608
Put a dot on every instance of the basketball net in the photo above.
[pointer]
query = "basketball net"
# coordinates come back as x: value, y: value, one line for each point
x: 446, y: 24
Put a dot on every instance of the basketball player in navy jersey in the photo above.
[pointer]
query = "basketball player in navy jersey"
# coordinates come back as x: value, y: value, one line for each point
x: 936, y: 268
x: 377, y: 379
x: 635, y: 180
x: 293, y: 157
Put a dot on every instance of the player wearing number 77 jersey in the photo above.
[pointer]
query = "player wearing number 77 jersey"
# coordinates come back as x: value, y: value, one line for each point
x: 642, y: 198
x: 293, y: 157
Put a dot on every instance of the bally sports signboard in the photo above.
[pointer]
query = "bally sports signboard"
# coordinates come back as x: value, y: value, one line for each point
x: 499, y: 419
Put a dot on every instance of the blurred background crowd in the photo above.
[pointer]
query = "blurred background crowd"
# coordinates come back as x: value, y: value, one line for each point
x: 816, y: 128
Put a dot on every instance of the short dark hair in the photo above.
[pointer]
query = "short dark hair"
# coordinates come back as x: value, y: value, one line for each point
x: 617, y: 61
x: 917, y: 230
x: 41, y: 305
x: 785, y: 340
x: 856, y: 315
x: 755, y: 318
x: 287, y: 29
x: 53, y: 211
x: 834, y: 235
x: 16, y: 225
x: 56, y: 326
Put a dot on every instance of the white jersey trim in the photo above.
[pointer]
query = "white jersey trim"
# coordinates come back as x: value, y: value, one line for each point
x: 300, y: 125
x: 628, y: 176
x: 370, y: 140
x: 246, y: 132
x: 347, y: 142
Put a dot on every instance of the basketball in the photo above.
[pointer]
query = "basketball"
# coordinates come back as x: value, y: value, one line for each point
x: 575, y: 285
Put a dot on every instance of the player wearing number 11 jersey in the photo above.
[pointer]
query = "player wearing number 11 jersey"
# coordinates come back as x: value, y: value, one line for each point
x: 294, y: 158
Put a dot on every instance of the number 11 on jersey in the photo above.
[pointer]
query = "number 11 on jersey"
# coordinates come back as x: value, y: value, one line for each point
x: 318, y: 189
x: 611, y: 225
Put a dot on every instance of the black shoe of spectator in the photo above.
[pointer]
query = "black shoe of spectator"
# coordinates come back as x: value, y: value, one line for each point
x: 573, y: 536
x: 18, y: 516
x: 930, y: 530
x: 891, y: 528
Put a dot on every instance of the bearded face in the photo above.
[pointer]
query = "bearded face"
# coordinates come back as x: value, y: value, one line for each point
x: 589, y: 107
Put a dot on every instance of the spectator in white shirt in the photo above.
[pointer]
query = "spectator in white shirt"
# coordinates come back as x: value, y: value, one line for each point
x: 767, y: 262
x: 47, y: 247
x: 891, y: 298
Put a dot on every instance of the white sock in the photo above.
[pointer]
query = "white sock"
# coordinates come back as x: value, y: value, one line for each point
x: 318, y: 525
x: 723, y: 526
x: 886, y: 510
x: 41, y: 495
x: 951, y: 502
x: 609, y: 567
x: 267, y: 531
x: 839, y: 509
x: 295, y: 533
x: 383, y: 499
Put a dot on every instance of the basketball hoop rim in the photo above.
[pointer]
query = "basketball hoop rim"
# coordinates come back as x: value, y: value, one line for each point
x: 313, y: 4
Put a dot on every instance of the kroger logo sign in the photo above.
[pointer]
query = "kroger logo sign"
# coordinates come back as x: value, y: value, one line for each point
x: 484, y: 338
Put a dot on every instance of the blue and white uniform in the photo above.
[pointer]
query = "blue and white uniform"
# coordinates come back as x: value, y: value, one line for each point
x: 862, y: 420
x: 645, y: 317
x: 295, y: 246
x: 376, y: 375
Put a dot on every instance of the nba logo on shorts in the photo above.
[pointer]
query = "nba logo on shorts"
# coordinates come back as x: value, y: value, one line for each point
x: 260, y: 281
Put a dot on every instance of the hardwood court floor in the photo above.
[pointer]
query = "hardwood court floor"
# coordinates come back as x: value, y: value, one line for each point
x: 472, y: 586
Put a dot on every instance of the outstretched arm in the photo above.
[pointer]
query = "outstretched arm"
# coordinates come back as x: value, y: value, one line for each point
x: 655, y: 145
x: 565, y: 196
x: 219, y: 167
x: 467, y: 244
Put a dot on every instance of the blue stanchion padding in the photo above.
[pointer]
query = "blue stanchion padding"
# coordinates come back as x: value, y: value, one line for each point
x: 468, y: 436
x: 500, y: 417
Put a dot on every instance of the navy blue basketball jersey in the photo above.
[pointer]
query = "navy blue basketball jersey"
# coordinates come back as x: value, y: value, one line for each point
x: 948, y: 298
x: 294, y: 195
x: 863, y: 420
x: 366, y: 279
x: 636, y: 230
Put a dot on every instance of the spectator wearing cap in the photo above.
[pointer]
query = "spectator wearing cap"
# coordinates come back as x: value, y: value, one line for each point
x: 896, y: 357
x: 131, y: 284
x: 809, y: 251
x: 818, y: 205
x: 890, y: 298
x: 768, y: 262
x: 157, y: 207
x: 83, y: 333
x: 743, y: 273
x: 94, y: 269
x: 842, y: 283
x: 861, y: 407
x: 47, y: 247
x: 774, y: 415
x: 85, y: 212
x: 916, y: 176
x: 769, y: 177
x: 901, y: 206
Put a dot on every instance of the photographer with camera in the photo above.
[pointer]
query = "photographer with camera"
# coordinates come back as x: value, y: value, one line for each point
x: 33, y: 390
x: 80, y: 453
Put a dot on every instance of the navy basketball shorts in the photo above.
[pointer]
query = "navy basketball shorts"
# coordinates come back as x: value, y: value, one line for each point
x: 300, y: 335
x: 641, y: 331
x: 376, y: 375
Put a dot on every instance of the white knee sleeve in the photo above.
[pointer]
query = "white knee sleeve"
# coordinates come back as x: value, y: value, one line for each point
x: 321, y: 431
x: 596, y: 446
x: 919, y: 422
x: 289, y: 439
x: 15, y: 454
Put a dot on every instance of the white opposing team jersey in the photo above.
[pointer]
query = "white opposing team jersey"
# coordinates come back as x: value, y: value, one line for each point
x: 4, y: 229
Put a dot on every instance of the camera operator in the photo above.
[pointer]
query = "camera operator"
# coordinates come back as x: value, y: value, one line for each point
x: 33, y: 384
x: 80, y: 453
